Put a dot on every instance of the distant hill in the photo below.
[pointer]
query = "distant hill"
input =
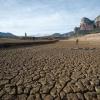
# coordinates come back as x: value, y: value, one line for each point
x: 56, y: 35
x: 87, y: 26
x: 7, y: 35
x: 68, y: 34
x: 64, y: 35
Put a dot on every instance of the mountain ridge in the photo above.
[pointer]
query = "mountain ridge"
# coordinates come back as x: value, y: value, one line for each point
x: 6, y: 34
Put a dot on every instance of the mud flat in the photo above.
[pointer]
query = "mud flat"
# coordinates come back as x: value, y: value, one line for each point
x: 21, y: 43
x: 60, y: 71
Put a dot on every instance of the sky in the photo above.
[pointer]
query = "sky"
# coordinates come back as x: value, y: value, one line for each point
x: 45, y: 17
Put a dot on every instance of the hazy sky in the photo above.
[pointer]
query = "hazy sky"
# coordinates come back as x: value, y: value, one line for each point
x: 43, y: 17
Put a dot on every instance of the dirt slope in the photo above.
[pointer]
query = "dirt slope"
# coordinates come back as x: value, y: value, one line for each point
x: 89, y: 37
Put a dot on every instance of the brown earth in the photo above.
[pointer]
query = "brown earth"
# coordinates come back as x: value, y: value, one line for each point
x: 89, y: 37
x: 6, y: 43
x: 60, y: 71
x: 9, y: 40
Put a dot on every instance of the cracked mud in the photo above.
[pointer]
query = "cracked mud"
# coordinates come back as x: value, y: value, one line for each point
x: 57, y: 71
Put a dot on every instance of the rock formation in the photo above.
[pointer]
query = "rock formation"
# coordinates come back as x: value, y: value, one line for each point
x: 97, y: 21
x: 86, y: 24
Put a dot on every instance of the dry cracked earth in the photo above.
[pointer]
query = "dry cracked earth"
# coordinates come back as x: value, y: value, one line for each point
x: 59, y: 71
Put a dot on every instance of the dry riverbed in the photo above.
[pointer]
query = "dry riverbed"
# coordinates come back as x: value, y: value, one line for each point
x: 60, y: 71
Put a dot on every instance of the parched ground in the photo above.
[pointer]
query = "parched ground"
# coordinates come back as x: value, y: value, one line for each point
x: 60, y: 71
x: 11, y: 40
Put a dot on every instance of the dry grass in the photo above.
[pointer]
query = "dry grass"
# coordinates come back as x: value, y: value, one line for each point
x: 90, y: 37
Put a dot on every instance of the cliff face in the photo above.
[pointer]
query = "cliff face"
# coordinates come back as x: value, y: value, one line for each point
x: 87, y: 24
x: 97, y: 21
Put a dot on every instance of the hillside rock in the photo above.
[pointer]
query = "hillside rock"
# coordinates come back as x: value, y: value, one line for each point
x: 86, y: 24
x: 97, y: 21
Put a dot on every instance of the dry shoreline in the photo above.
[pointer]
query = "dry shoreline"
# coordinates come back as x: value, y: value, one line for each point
x: 25, y: 43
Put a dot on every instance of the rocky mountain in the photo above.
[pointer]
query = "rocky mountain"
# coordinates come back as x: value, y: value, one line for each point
x: 56, y: 35
x: 64, y: 35
x: 97, y: 21
x: 6, y: 35
x: 88, y: 26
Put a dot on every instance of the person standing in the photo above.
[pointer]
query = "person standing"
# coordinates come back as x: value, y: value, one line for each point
x: 77, y: 41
